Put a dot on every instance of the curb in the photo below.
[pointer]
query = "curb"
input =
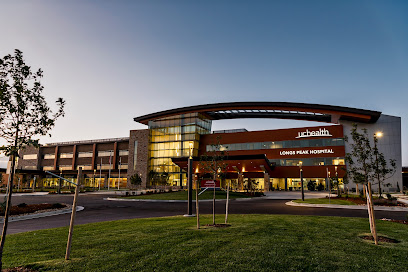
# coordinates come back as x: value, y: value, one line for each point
x: 40, y: 215
x: 350, y: 207
x: 175, y: 201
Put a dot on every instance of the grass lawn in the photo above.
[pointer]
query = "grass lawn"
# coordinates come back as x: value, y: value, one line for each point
x: 325, y: 201
x: 182, y: 195
x: 252, y: 243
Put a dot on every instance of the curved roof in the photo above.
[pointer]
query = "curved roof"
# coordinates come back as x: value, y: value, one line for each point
x: 280, y: 110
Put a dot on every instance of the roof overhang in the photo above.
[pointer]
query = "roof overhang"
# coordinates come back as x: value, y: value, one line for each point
x: 279, y: 110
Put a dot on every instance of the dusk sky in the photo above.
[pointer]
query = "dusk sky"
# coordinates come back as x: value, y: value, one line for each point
x: 115, y: 60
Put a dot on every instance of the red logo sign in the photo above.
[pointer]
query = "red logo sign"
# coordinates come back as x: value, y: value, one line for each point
x: 210, y: 183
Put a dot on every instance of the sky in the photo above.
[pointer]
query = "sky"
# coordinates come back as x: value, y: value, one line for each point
x: 115, y: 60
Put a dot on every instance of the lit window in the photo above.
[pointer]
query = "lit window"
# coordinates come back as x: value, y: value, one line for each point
x: 66, y: 155
x: 30, y: 157
x: 85, y: 154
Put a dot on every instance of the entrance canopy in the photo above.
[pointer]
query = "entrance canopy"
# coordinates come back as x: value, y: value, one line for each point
x: 235, y: 164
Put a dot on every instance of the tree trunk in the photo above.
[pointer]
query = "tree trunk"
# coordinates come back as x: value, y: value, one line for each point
x: 8, y: 203
x: 226, y: 205
x: 371, y: 212
x: 197, y: 206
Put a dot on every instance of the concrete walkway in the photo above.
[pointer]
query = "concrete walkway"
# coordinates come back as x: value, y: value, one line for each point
x: 295, y: 194
x: 351, y: 207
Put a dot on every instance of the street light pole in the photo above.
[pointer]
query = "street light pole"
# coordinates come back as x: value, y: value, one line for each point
x: 328, y: 175
x: 190, y: 182
x: 301, y: 180
x: 94, y: 178
x: 376, y: 136
x: 338, y: 183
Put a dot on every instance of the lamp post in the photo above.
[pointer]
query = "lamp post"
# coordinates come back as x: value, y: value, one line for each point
x: 94, y: 172
x: 190, y: 182
x: 301, y: 180
x: 59, y: 183
x: 328, y: 177
x: 376, y: 136
x: 337, y: 180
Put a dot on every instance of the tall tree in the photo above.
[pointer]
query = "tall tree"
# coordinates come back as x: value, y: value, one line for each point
x: 213, y: 162
x: 24, y: 114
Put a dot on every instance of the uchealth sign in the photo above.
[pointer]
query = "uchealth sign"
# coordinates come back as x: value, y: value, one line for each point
x: 321, y: 132
x: 210, y: 183
x: 306, y: 152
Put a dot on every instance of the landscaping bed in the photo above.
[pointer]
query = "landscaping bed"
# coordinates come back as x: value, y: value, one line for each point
x: 352, y: 200
x: 32, y: 208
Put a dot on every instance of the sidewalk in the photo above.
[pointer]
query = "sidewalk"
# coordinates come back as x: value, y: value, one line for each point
x: 351, y: 207
x: 295, y: 194
x: 27, y: 194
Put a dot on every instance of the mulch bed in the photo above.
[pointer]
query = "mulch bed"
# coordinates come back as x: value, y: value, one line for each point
x: 218, y: 225
x: 376, y: 202
x: 32, y: 208
x: 395, y: 221
x: 380, y: 239
x: 19, y: 269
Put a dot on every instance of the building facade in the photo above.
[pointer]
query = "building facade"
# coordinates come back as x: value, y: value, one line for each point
x: 273, y: 158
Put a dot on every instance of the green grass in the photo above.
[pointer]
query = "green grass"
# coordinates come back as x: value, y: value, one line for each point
x: 182, y: 195
x: 325, y: 201
x: 252, y: 243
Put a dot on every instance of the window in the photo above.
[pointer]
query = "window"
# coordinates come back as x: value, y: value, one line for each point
x: 85, y: 167
x: 106, y: 153
x: 30, y: 157
x: 30, y: 167
x: 338, y: 161
x: 123, y: 166
x: 66, y: 155
x: 104, y: 167
x: 123, y: 152
x: 85, y: 154
x: 48, y: 168
x: 49, y: 156
x: 65, y: 167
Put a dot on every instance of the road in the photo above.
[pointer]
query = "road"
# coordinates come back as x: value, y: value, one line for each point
x: 97, y: 210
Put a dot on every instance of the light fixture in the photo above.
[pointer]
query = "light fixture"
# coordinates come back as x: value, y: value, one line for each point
x: 378, y: 134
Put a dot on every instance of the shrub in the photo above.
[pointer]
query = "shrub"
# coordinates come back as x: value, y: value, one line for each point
x: 311, y: 186
x: 58, y: 206
x: 320, y: 187
x: 22, y: 205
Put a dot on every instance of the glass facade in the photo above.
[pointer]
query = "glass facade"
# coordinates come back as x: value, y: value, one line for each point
x: 171, y: 137
x: 281, y: 144
x: 308, y: 161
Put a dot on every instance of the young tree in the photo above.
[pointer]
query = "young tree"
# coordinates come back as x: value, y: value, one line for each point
x: 24, y: 114
x: 381, y: 169
x: 363, y: 166
x: 213, y: 162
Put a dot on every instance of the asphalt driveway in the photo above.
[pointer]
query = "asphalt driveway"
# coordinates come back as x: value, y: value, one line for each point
x: 97, y: 210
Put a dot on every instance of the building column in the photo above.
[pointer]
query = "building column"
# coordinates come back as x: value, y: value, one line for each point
x: 240, y: 181
x: 286, y: 184
x: 267, y: 184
